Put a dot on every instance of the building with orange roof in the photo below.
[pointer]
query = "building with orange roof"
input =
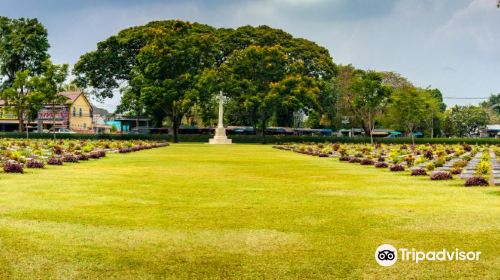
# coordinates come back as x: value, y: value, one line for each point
x: 74, y: 114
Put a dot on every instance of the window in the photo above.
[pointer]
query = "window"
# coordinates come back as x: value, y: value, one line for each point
x: 81, y: 112
x: 85, y: 125
x: 74, y: 112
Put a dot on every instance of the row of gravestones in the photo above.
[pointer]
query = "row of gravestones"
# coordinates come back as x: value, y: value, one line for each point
x: 495, y: 169
x: 471, y: 167
x: 446, y: 167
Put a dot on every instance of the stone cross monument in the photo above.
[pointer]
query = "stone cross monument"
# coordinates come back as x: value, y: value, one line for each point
x: 220, y: 132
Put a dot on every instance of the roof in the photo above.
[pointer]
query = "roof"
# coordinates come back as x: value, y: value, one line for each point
x: 71, y: 95
x: 493, y: 127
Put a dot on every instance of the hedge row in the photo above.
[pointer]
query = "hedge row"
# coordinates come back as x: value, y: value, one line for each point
x: 85, y: 136
x: 270, y: 139
x: 276, y: 139
x: 317, y: 139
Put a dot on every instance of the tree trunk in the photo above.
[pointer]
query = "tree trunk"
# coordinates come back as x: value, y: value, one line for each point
x: 432, y: 125
x: 264, y: 130
x: 175, y: 129
x: 21, y: 121
x: 370, y: 126
x: 412, y: 137
x: 54, y: 120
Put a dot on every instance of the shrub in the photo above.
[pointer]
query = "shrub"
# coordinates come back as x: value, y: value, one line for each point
x: 428, y: 154
x: 460, y: 164
x: 54, y: 161
x: 69, y: 158
x: 58, y: 150
x: 82, y: 157
x: 381, y: 164
x: 409, y: 160
x: 354, y: 160
x: 33, y: 163
x: 418, y: 172
x: 420, y: 160
x: 12, y: 166
x: 440, y: 162
x: 441, y: 175
x: 94, y: 154
x: 380, y: 159
x: 97, y: 154
x: 397, y: 167
x: 342, y: 158
x: 467, y: 147
x: 430, y: 166
x: 456, y: 170
x: 466, y: 157
x: 483, y: 168
x: 367, y: 161
x: 476, y: 181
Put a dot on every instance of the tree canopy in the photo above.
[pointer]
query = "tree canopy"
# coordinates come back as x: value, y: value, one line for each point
x: 23, y: 47
x: 173, y: 65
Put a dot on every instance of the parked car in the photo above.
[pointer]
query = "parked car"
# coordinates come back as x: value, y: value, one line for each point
x: 65, y: 130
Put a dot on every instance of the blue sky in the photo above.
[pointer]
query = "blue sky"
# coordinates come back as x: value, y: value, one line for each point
x: 453, y: 45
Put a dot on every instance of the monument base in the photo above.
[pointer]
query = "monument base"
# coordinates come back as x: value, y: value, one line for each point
x: 218, y: 141
x: 220, y: 137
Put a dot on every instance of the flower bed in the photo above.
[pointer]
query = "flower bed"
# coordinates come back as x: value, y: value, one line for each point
x: 15, y: 154
x: 438, y: 161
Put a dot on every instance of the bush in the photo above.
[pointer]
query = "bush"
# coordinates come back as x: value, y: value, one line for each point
x: 466, y: 157
x: 12, y: 166
x: 344, y: 158
x: 430, y: 166
x: 428, y: 155
x: 82, y: 157
x: 418, y: 172
x: 441, y: 175
x: 354, y: 160
x: 397, y: 167
x: 54, y: 161
x: 367, y: 161
x: 440, y: 162
x: 33, y: 163
x: 97, y: 154
x: 467, y: 147
x: 483, y: 168
x: 456, y: 170
x: 381, y: 164
x: 476, y: 181
x: 58, y: 150
x: 460, y: 164
x: 69, y: 158
x: 94, y: 154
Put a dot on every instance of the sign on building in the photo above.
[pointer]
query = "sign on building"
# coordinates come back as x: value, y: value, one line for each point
x: 47, y: 114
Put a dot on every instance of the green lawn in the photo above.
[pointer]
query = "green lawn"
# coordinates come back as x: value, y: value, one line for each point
x: 243, y: 212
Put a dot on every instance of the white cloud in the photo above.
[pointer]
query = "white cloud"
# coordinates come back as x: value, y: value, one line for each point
x: 476, y: 26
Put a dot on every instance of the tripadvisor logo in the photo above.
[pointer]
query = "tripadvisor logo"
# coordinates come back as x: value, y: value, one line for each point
x: 387, y: 255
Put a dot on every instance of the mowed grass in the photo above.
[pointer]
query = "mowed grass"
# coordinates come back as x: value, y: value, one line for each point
x: 197, y: 211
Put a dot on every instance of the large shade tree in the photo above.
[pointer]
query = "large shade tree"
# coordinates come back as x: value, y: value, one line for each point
x: 264, y: 80
x: 157, y: 65
x: 23, y: 47
x: 23, y: 50
x: 409, y: 109
x: 49, y: 84
x: 363, y: 96
x: 173, y: 65
x: 465, y: 121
